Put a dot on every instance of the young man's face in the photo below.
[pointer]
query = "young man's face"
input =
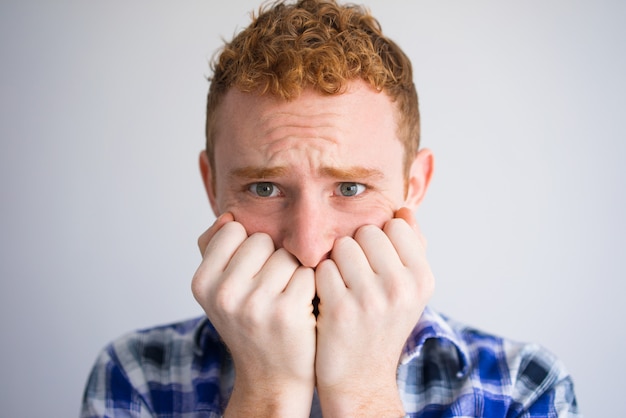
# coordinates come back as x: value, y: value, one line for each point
x: 311, y: 170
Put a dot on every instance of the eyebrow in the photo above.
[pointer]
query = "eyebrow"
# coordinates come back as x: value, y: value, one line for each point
x: 351, y: 173
x: 259, y: 172
x: 348, y: 173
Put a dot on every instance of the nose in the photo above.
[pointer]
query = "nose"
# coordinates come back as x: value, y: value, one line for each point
x: 309, y: 231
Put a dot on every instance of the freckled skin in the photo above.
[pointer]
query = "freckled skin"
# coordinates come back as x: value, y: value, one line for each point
x: 355, y: 129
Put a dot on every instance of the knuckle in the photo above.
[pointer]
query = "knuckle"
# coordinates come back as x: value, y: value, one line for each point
x: 199, y: 283
x: 341, y: 313
x: 253, y: 308
x: 259, y: 237
x: 378, y: 306
x: 344, y: 244
x: 224, y: 299
x: 233, y: 228
x: 282, y: 314
x: 401, y: 295
x: 202, y: 242
x: 366, y: 232
x: 396, y: 225
x: 397, y: 228
x: 260, y: 240
x: 286, y: 258
x: 281, y: 253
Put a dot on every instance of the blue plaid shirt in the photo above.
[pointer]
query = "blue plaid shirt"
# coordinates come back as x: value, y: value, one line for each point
x: 446, y: 370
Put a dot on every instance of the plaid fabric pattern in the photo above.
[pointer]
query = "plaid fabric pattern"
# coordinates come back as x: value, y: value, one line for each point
x: 446, y: 370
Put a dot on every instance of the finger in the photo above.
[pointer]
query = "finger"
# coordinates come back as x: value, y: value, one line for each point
x: 329, y: 283
x: 205, y: 238
x: 217, y: 255
x: 351, y: 262
x: 406, y: 214
x: 302, y: 285
x: 250, y: 257
x: 405, y: 241
x: 275, y: 274
x: 381, y: 254
x: 223, y: 246
x: 411, y: 250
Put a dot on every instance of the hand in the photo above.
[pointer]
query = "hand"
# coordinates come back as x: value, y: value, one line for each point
x: 260, y: 302
x: 372, y: 291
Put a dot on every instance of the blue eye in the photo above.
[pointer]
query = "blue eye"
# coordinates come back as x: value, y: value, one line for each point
x: 350, y: 189
x: 263, y: 189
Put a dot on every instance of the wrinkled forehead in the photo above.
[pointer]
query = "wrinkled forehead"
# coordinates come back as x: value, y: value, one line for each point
x: 340, y: 136
x: 359, y: 107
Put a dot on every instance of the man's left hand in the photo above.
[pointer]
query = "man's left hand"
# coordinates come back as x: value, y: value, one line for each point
x: 372, y: 292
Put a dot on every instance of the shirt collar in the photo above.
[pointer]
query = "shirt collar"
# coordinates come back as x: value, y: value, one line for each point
x: 434, y: 326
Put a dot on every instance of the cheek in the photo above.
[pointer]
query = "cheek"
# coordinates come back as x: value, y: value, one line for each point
x: 345, y: 222
x: 254, y: 222
x: 324, y: 220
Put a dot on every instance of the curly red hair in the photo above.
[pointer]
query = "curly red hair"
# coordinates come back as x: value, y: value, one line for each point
x: 315, y: 44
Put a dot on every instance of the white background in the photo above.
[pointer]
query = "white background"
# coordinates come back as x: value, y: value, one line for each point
x: 101, y: 122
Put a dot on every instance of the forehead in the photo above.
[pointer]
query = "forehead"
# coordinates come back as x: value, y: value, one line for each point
x: 360, y: 110
x: 309, y: 134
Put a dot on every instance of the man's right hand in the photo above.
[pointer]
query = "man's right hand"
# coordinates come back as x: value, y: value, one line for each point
x: 260, y: 301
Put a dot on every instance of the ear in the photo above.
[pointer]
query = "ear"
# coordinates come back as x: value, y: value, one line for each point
x: 209, y: 182
x: 420, y: 173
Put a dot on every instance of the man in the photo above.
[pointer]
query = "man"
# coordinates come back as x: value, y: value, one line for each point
x: 314, y: 278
